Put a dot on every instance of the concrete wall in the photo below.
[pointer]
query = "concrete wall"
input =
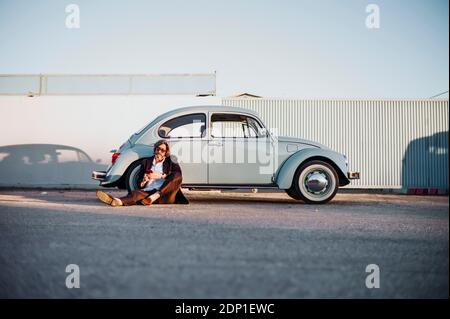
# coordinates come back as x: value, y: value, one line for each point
x: 66, y: 129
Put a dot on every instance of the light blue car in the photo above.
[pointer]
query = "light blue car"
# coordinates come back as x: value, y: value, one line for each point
x: 221, y: 147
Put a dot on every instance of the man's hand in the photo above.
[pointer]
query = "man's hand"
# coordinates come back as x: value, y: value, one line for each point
x: 148, y: 177
x: 145, y: 179
x: 155, y: 175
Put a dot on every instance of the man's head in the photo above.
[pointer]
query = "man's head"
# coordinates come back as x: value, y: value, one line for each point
x: 161, y: 150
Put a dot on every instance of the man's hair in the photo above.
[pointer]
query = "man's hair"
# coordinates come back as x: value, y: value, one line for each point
x: 162, y: 142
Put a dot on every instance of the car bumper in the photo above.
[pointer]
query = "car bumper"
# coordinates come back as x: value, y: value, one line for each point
x: 99, y: 175
x: 353, y: 175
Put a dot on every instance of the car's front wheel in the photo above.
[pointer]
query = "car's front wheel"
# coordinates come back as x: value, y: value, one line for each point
x: 134, y: 175
x: 293, y: 193
x: 315, y: 182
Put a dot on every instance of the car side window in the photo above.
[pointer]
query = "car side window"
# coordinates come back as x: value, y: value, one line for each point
x: 256, y: 130
x: 67, y: 156
x: 235, y: 125
x: 192, y: 125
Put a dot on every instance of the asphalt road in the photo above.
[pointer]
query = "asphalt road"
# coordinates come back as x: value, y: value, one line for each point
x: 223, y: 245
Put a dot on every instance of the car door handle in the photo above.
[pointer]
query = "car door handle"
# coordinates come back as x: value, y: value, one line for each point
x: 215, y: 143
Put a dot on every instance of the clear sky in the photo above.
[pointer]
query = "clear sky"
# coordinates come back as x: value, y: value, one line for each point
x: 301, y: 49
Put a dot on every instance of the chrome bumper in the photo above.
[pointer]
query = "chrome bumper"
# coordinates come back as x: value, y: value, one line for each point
x: 99, y: 175
x: 353, y: 175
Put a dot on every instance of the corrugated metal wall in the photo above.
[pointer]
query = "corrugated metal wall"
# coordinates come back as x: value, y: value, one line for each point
x: 393, y: 143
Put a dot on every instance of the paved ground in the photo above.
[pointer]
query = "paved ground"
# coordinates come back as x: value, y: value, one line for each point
x: 224, y: 245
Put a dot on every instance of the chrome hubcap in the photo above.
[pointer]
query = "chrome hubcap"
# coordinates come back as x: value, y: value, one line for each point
x: 317, y: 182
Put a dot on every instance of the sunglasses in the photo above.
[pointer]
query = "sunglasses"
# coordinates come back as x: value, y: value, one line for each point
x: 160, y: 149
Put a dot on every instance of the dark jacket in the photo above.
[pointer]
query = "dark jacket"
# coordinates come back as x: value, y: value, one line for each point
x: 172, y: 181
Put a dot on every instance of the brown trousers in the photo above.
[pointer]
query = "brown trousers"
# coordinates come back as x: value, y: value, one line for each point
x: 168, y: 193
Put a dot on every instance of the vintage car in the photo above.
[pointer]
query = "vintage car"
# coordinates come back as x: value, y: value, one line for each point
x: 220, y: 147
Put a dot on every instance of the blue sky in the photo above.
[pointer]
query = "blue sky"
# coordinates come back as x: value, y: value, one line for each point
x: 300, y: 49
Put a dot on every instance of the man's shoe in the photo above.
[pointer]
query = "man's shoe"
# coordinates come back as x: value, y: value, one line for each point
x: 153, y: 198
x: 107, y: 199
x: 147, y: 201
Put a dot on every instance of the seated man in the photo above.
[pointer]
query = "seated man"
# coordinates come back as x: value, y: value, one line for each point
x: 160, y: 184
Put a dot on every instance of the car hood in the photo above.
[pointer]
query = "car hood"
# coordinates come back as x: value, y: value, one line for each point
x: 294, y: 140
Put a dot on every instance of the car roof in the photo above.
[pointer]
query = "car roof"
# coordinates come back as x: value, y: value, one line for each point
x: 208, y: 108
x: 189, y: 110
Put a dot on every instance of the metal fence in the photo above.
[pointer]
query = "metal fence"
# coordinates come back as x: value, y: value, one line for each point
x: 108, y: 84
x: 395, y: 144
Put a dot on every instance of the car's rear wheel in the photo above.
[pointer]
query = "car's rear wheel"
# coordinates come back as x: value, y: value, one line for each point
x: 134, y: 174
x: 315, y: 182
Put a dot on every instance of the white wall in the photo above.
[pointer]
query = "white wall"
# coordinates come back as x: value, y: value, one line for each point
x: 93, y: 124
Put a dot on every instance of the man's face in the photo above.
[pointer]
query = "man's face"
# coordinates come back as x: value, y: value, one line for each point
x: 160, y: 152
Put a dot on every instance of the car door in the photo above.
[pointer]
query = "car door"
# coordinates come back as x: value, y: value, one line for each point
x: 239, y: 150
x: 186, y: 135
